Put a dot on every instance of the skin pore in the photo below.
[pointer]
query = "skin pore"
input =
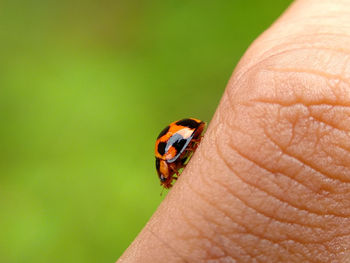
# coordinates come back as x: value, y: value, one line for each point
x: 270, y: 181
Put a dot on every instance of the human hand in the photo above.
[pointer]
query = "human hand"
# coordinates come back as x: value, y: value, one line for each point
x: 270, y: 181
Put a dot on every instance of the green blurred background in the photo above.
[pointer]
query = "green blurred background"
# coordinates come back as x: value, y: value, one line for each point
x: 85, y: 88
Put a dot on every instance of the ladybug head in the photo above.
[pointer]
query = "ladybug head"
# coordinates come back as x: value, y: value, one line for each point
x: 163, y: 173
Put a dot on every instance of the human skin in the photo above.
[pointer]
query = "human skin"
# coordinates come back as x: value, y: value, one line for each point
x: 270, y: 182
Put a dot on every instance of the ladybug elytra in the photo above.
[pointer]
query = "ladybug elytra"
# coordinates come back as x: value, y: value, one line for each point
x: 174, y: 147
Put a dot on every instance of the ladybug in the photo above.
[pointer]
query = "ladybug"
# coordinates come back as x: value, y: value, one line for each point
x: 174, y: 146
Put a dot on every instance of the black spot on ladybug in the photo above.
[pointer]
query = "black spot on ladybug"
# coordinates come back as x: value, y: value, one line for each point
x: 178, y: 142
x: 192, y: 124
x: 164, y: 131
x: 161, y: 148
x: 175, y: 139
x: 157, y: 164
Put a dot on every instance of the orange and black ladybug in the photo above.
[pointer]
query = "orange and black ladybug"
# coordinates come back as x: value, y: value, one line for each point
x: 174, y: 146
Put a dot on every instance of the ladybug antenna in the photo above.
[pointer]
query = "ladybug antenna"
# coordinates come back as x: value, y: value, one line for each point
x: 161, y: 193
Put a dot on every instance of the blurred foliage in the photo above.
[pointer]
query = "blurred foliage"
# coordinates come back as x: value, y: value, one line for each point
x: 85, y: 87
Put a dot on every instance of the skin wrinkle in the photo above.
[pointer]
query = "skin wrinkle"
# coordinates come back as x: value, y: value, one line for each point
x: 200, y: 238
x: 337, y: 235
x: 188, y: 221
x: 298, y: 34
x: 339, y: 146
x: 320, y: 242
x: 293, y: 130
x: 259, y: 236
x: 237, y: 226
x: 268, y: 216
x: 343, y: 71
x: 329, y: 102
x: 341, y: 130
x: 292, y: 178
x: 227, y: 254
x: 212, y: 205
x: 207, y: 201
x: 328, y: 124
x: 247, y: 183
x: 344, y: 150
x: 244, y: 249
x: 323, y: 112
x: 238, y: 76
x: 311, y: 108
x: 324, y: 191
x: 167, y: 241
x: 307, y: 210
x: 216, y: 207
x: 295, y: 46
x: 329, y: 214
x: 325, y: 149
x: 318, y: 120
x: 312, y: 72
x: 302, y: 161
x: 288, y: 47
x: 271, y: 102
x: 167, y: 245
x: 307, y: 163
x: 202, y: 235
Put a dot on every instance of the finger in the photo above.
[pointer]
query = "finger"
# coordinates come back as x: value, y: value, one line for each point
x: 270, y: 180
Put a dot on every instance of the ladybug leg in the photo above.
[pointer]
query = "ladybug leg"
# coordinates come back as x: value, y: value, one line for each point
x: 192, y: 147
x: 177, y: 172
x: 175, y: 169
x: 194, y: 144
x: 197, y: 140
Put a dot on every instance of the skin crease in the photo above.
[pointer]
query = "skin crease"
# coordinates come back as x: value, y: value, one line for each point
x: 270, y: 181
